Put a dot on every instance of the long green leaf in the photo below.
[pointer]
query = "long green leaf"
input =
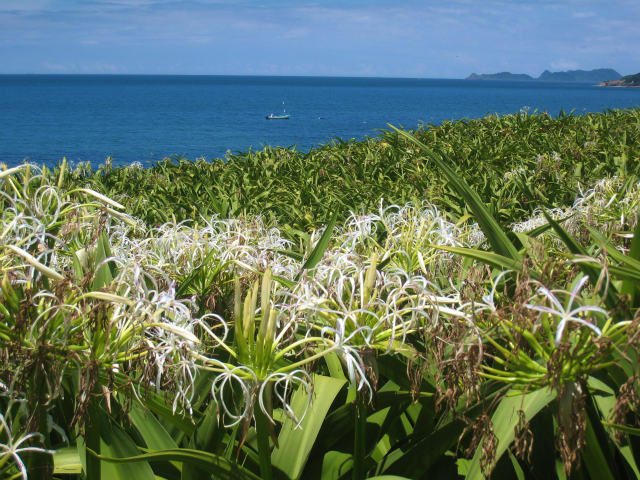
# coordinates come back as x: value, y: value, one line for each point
x: 107, y: 270
x: 295, y: 444
x: 634, y: 251
x: 214, y: 464
x: 422, y: 454
x: 495, y: 235
x: 388, y: 477
x: 593, y: 457
x: 318, y: 251
x: 613, y: 252
x: 115, y: 443
x: 66, y: 461
x: 630, y: 274
x: 605, y: 399
x: 504, y: 420
x: 490, y: 258
x: 152, y: 432
x: 158, y: 404
x: 623, y: 428
x: 631, y: 287
x: 183, y: 289
x: 335, y: 465
x: 593, y: 271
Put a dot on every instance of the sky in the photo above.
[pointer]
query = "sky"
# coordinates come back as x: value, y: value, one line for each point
x: 384, y: 38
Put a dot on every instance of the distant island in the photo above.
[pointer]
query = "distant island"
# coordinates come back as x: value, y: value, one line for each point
x: 628, y: 81
x: 500, y: 76
x: 578, y: 76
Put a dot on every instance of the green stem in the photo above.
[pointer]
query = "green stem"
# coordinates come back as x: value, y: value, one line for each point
x: 264, y: 450
x: 293, y: 366
x: 40, y: 466
x: 359, y: 444
x: 295, y: 345
x: 92, y: 439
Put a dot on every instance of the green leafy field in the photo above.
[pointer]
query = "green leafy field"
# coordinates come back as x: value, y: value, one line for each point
x: 461, y: 301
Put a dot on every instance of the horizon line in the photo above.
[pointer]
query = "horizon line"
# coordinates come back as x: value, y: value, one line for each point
x: 103, y: 74
x: 387, y: 77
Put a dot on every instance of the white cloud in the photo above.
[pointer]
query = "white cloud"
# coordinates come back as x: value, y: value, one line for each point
x: 583, y: 15
x: 564, y: 65
x: 385, y: 37
x: 57, y: 67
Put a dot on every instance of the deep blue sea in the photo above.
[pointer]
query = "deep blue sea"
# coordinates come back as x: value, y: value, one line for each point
x: 144, y: 118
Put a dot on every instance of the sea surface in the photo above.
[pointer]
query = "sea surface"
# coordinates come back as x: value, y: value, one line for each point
x: 144, y: 118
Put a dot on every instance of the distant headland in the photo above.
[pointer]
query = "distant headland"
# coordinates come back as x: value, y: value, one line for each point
x: 628, y: 81
x: 578, y: 76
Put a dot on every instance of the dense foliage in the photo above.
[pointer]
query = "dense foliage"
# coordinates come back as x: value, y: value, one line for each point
x: 461, y: 301
x: 632, y: 80
x: 494, y: 154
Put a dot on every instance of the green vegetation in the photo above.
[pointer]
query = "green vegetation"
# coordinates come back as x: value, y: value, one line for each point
x: 627, y: 81
x: 456, y: 302
x: 304, y: 189
x: 632, y: 80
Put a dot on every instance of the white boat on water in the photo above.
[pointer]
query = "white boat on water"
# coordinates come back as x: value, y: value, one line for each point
x: 283, y: 116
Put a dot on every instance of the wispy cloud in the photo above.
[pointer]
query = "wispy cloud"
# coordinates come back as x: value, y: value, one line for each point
x: 374, y: 37
x: 584, y: 15
x: 564, y: 65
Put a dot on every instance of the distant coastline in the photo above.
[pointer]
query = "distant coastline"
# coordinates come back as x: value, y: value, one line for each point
x: 569, y: 76
x: 630, y: 81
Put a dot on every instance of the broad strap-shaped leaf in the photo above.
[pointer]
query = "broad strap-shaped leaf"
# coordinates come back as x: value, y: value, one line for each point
x: 504, y: 420
x: 336, y: 465
x: 630, y: 274
x: 604, y: 398
x: 613, y: 252
x: 593, y: 456
x: 422, y: 454
x: 388, y: 477
x: 495, y: 235
x: 158, y: 404
x: 220, y: 467
x: 634, y: 252
x: 183, y: 289
x: 152, y: 432
x: 318, y: 251
x: 490, y: 258
x: 105, y: 273
x: 115, y: 443
x: 66, y: 461
x: 623, y: 428
x: 295, y: 443
x: 543, y: 228
x: 587, y: 267
x: 289, y: 253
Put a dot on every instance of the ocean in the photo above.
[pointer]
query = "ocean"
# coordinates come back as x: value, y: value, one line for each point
x: 144, y: 118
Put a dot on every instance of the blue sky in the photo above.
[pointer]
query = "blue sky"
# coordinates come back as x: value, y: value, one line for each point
x: 402, y: 38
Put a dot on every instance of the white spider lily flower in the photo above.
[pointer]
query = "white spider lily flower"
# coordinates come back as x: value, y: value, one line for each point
x: 245, y: 379
x: 283, y: 386
x: 176, y: 330
x: 338, y: 341
x: 488, y: 300
x: 13, y: 446
x: 44, y: 200
x: 567, y: 313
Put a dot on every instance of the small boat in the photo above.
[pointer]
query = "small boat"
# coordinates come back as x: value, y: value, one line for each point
x: 283, y: 116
